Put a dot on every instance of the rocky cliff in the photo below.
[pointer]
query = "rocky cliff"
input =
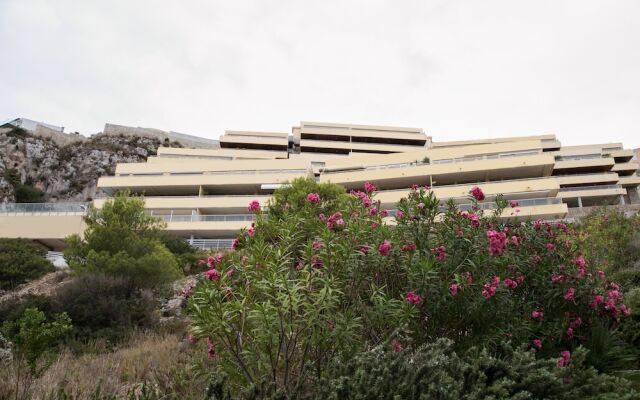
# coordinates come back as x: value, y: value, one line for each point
x: 38, y: 169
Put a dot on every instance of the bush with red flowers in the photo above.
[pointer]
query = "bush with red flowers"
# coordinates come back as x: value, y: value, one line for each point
x: 317, y: 282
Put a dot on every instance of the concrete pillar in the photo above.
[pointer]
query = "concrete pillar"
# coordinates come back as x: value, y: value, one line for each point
x: 634, y: 195
x: 622, y: 200
x: 191, y: 240
x: 580, y: 202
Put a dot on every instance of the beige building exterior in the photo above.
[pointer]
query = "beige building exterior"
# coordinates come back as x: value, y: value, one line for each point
x: 203, y: 194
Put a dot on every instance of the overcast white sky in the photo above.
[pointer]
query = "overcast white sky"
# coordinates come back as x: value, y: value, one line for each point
x: 458, y: 69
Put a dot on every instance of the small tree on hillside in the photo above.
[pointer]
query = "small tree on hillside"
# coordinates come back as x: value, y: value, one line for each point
x: 121, y: 240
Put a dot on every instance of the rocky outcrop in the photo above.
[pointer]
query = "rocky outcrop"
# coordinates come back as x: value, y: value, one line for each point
x: 33, y: 165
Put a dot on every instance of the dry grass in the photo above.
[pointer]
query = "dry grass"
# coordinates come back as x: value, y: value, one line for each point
x: 144, y: 359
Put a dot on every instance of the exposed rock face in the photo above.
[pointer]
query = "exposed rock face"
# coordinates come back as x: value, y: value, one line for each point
x: 64, y: 172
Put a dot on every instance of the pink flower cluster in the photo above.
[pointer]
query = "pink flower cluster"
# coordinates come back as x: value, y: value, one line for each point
x: 581, y: 264
x: 489, y: 289
x: 213, y: 274
x: 613, y: 302
x: 569, y: 294
x: 364, y: 198
x: 454, y: 288
x: 510, y: 283
x: 497, y: 242
x: 565, y: 358
x: 313, y: 198
x: 409, y: 247
x: 475, y: 220
x: 413, y: 298
x: 440, y: 252
x: 254, y: 206
x: 369, y: 187
x: 537, y: 343
x: 385, y: 248
x: 537, y: 315
x: 334, y: 220
x: 477, y: 193
x: 575, y: 324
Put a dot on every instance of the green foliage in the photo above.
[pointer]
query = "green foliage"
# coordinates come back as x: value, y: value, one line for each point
x: 607, y: 236
x: 122, y: 240
x: 321, y: 278
x: 20, y: 261
x: 103, y: 307
x: 23, y: 192
x: 435, y: 371
x: 34, y: 338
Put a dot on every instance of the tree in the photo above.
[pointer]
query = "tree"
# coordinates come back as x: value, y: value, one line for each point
x: 20, y: 261
x: 122, y: 240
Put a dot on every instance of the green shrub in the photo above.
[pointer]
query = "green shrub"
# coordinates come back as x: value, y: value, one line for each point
x: 322, y: 277
x: 121, y: 240
x: 34, y: 338
x: 104, y: 307
x: 20, y: 261
x: 435, y: 371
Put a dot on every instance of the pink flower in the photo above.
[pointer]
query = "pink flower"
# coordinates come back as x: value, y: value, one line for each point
x: 420, y: 206
x: 565, y: 358
x: 211, y: 348
x: 317, y: 244
x: 536, y: 259
x: 568, y: 296
x: 601, y: 274
x: 497, y: 242
x: 364, y: 249
x: 460, y: 233
x: 537, y: 315
x: 537, y: 343
x: 468, y: 277
x: 313, y: 197
x: 373, y: 211
x: 213, y: 274
x: 515, y: 241
x: 597, y: 300
x: 369, y: 187
x: 399, y: 215
x: 414, y: 187
x: 477, y: 193
x: 409, y: 247
x: 570, y: 333
x: 413, y: 298
x: 396, y: 346
x: 192, y: 339
x: 230, y: 273
x: 322, y: 217
x: 454, y: 288
x: 254, y: 206
x: 252, y: 230
x: 510, y: 283
x: 626, y: 311
x: 235, y: 243
x: 316, y: 262
x: 489, y: 289
x: 440, y: 253
x: 385, y: 248
x: 551, y: 247
x: 514, y: 204
x: 211, y: 261
x: 537, y: 225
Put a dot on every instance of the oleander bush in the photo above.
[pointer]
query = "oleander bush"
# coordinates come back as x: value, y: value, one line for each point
x: 323, y: 276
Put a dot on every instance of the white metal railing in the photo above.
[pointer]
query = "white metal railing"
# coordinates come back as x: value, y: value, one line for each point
x: 43, y: 208
x: 493, y: 205
x: 442, y: 161
x: 592, y: 187
x: 210, y: 244
x: 582, y: 157
x: 204, y: 218
x: 200, y: 173
x: 57, y: 259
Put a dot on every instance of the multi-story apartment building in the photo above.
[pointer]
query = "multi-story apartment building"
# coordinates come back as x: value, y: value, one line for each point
x: 203, y: 194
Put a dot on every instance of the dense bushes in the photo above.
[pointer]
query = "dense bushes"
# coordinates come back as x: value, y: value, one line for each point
x: 20, y: 261
x: 323, y: 277
x: 121, y: 240
x: 103, y: 307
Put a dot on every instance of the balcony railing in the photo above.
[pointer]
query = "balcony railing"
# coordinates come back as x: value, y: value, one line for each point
x: 493, y: 205
x: 442, y: 161
x: 43, y: 208
x: 206, y: 173
x: 592, y: 187
x: 205, y: 218
x: 582, y: 157
x: 210, y: 244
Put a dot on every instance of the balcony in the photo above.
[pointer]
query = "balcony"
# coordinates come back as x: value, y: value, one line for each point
x: 43, y: 208
x: 443, y: 172
x: 587, y: 196
x: 211, y: 226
